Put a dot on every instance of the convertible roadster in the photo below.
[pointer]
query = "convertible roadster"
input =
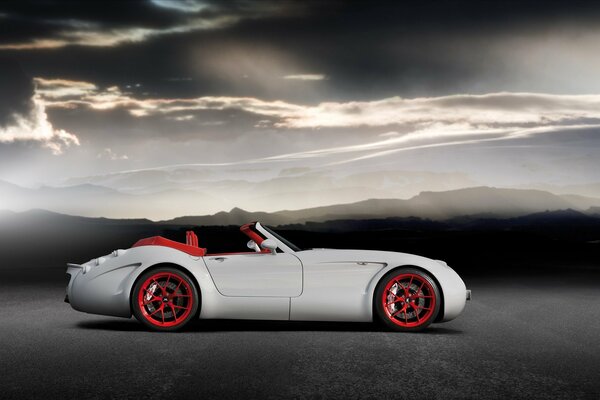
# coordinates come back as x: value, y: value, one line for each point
x: 165, y: 284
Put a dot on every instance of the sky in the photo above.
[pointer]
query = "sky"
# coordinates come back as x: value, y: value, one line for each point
x: 319, y: 99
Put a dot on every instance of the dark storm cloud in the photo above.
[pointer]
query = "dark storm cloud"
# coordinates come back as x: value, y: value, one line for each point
x: 365, y: 50
x: 329, y: 16
x: 16, y: 91
x: 51, y: 24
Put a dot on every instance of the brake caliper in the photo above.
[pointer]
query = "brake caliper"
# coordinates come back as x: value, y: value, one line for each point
x: 150, y: 291
x: 393, y: 292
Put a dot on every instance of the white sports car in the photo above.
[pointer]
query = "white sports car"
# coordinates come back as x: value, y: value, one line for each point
x: 165, y: 284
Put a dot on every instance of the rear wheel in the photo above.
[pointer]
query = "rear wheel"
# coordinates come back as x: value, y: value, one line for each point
x: 407, y: 299
x: 164, y: 299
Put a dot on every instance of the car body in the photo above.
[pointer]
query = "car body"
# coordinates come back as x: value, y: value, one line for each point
x: 166, y: 283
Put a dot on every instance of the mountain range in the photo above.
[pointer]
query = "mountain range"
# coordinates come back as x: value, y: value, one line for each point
x: 478, y: 202
x: 482, y: 202
x: 162, y: 194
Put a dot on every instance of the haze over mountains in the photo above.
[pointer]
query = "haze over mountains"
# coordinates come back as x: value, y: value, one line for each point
x: 479, y: 202
x: 162, y: 194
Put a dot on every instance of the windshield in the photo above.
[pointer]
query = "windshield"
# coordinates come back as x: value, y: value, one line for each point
x: 282, y: 239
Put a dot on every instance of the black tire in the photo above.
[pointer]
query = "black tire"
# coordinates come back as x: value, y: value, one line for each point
x: 412, y: 300
x: 178, y: 303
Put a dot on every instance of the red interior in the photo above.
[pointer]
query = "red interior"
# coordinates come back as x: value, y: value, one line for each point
x: 161, y: 241
x: 251, y: 233
x: 191, y: 242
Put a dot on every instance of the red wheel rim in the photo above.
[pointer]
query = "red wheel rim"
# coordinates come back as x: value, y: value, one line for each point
x: 408, y: 300
x: 165, y: 299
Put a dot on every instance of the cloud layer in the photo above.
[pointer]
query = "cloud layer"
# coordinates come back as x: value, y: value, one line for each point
x: 401, y: 123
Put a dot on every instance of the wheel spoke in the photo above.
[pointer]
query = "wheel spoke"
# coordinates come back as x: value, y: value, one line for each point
x: 158, y: 284
x: 399, y: 283
x: 174, y: 313
x: 416, y: 312
x: 167, y: 283
x: 404, y: 290
x: 403, y: 309
x: 155, y: 311
x: 398, y: 299
x: 153, y: 299
x: 178, y: 285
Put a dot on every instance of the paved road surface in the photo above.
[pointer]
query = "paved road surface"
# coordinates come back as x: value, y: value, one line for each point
x: 519, y: 338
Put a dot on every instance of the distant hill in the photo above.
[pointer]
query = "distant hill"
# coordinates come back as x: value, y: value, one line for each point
x: 594, y: 211
x: 591, y: 189
x: 45, y: 217
x: 93, y: 200
x: 479, y: 201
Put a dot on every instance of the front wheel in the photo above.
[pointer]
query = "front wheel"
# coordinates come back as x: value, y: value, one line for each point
x: 164, y: 299
x: 407, y: 299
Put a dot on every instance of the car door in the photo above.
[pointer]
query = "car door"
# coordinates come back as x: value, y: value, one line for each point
x: 256, y: 274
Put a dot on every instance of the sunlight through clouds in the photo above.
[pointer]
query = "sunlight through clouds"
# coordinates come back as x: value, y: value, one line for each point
x: 36, y: 127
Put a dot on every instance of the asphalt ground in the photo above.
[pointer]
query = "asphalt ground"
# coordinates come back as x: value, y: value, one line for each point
x: 522, y: 336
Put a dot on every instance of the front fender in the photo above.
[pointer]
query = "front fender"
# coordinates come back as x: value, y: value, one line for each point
x: 451, y: 285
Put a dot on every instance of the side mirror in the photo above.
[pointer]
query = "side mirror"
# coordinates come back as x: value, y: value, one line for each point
x: 269, y: 244
x: 253, y: 246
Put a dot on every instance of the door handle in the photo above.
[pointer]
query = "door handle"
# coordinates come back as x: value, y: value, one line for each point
x: 219, y: 259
